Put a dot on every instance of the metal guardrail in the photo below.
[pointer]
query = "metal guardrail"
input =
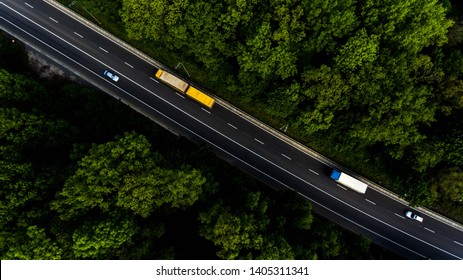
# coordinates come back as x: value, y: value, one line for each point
x: 253, y: 120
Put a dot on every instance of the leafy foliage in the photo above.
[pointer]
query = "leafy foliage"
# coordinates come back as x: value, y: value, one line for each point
x: 100, y: 239
x: 127, y: 174
x: 31, y: 244
x: 234, y: 233
x: 448, y: 185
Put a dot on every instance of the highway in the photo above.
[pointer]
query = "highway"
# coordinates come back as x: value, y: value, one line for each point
x: 88, y: 52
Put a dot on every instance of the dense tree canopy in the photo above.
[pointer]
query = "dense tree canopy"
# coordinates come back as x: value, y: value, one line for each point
x: 31, y: 243
x: 251, y: 231
x: 102, y: 238
x: 127, y: 174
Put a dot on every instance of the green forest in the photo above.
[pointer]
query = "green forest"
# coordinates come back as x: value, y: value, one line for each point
x: 374, y: 85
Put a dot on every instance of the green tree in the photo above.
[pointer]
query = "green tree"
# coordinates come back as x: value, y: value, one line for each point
x: 100, y: 239
x: 284, y: 101
x: 106, y: 10
x: 452, y: 96
x: 24, y: 139
x: 254, y: 226
x: 394, y: 119
x: 448, y: 185
x: 327, y: 22
x: 17, y: 190
x: 455, y: 34
x: 30, y: 244
x: 176, y: 188
x: 407, y: 25
x: 127, y: 174
x: 276, y: 247
x: 28, y: 131
x: 415, y: 187
x: 201, y: 29
x: 272, y: 51
x: 238, y: 234
x: 454, y: 147
x: 232, y: 234
x: 358, y: 50
x: 426, y: 154
x: 329, y: 237
x: 16, y: 88
x: 326, y: 93
x: 144, y: 19
x: 425, y: 71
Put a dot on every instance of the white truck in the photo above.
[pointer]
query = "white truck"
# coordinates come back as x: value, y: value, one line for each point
x: 349, y: 181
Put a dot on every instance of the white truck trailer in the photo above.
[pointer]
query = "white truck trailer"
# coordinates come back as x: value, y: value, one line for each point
x: 349, y: 181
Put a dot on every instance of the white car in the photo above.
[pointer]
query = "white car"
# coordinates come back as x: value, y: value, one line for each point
x: 111, y: 75
x: 413, y: 216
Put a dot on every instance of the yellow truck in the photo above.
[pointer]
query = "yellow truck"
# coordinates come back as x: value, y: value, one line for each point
x: 183, y: 87
x: 200, y: 96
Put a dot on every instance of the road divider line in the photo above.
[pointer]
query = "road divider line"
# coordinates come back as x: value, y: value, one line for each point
x: 128, y: 64
x: 314, y: 172
x: 30, y: 6
x: 207, y: 111
x: 53, y: 19
x: 400, y: 216
x: 286, y: 156
x: 370, y: 201
x: 257, y: 140
x: 181, y: 95
x: 155, y: 80
x: 430, y: 230
x: 232, y: 126
x: 103, y: 49
x: 78, y: 35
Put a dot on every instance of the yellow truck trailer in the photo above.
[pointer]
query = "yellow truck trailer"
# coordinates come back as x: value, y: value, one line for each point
x: 200, y: 96
x: 183, y: 87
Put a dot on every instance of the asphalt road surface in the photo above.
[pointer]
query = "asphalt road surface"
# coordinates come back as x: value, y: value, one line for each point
x: 88, y: 52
